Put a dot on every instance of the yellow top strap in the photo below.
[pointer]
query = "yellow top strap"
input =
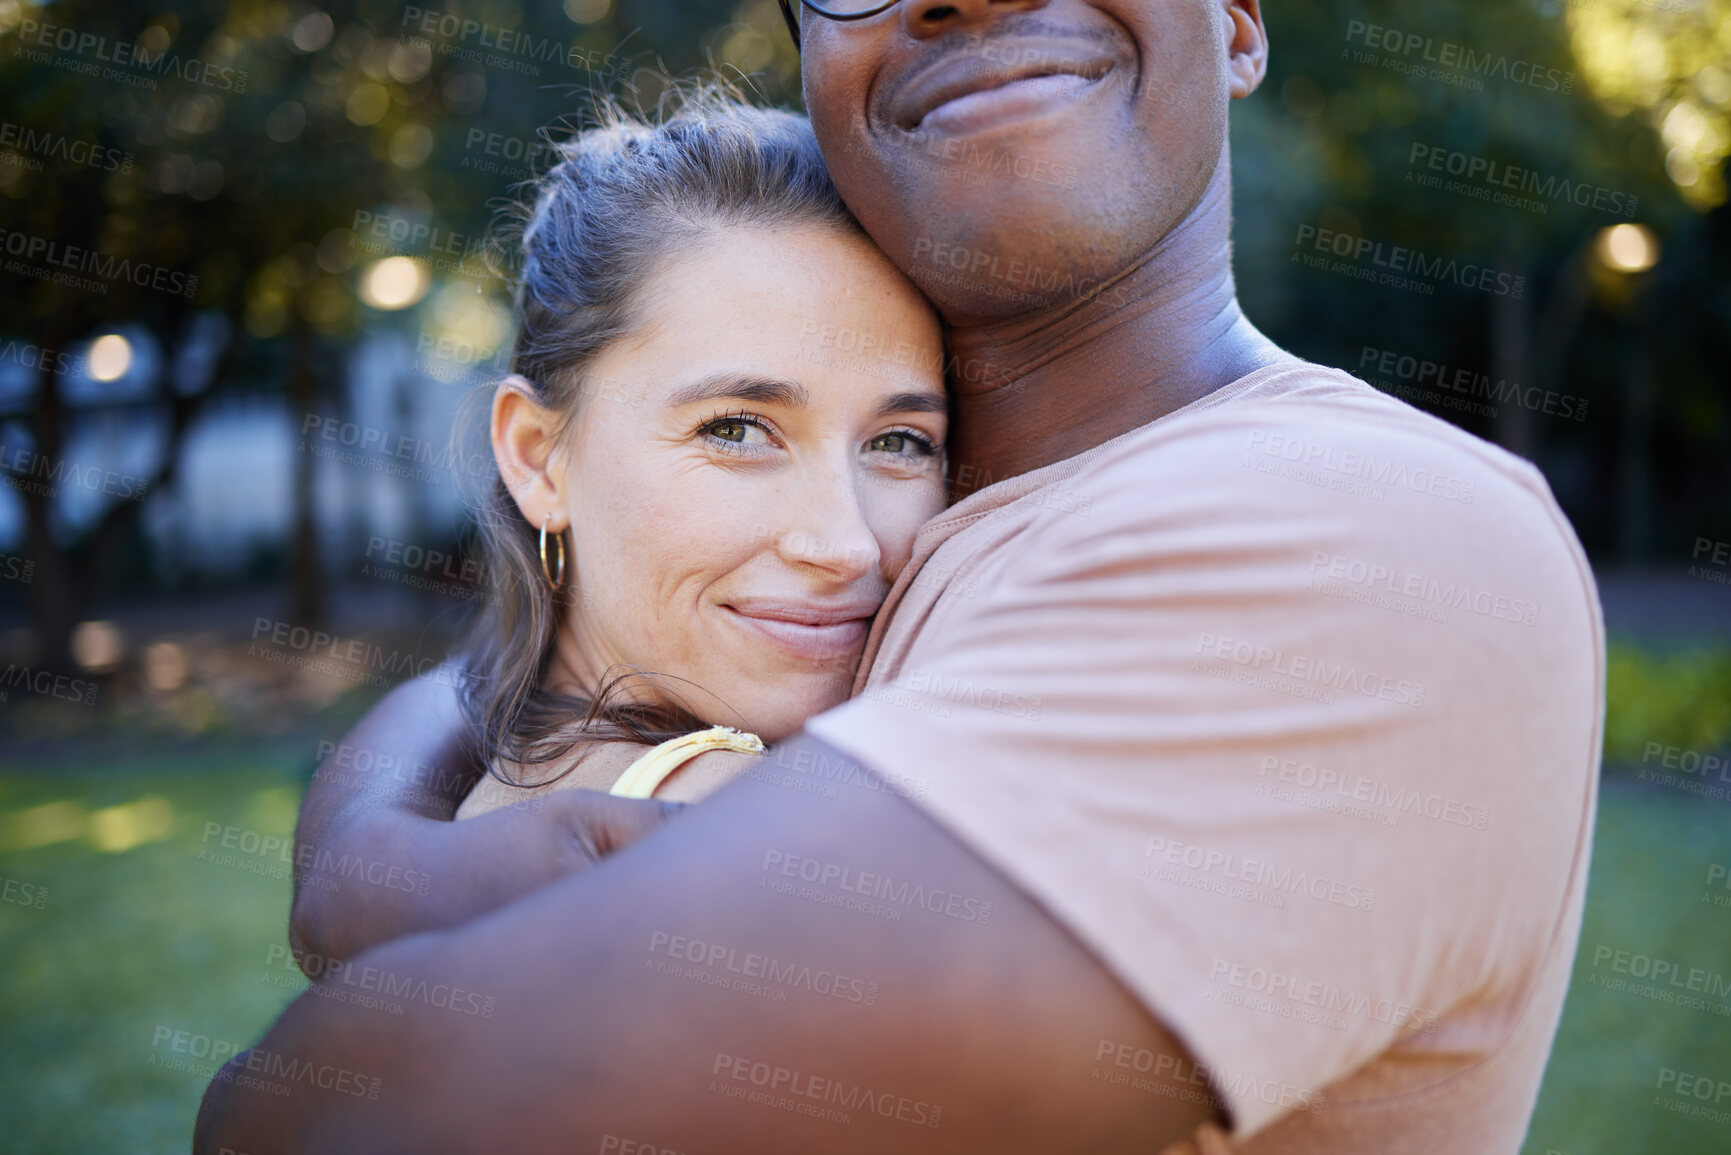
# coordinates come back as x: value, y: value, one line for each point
x: 646, y: 775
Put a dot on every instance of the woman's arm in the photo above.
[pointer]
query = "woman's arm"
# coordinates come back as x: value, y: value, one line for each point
x: 376, y: 855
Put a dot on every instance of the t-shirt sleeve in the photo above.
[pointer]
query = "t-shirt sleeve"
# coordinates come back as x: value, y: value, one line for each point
x: 1291, y: 715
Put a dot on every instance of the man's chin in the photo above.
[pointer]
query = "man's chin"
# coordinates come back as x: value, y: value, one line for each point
x: 1000, y: 272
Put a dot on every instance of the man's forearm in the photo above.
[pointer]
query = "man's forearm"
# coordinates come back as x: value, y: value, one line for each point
x: 374, y: 826
x: 382, y: 873
x: 377, y: 855
x: 697, y: 992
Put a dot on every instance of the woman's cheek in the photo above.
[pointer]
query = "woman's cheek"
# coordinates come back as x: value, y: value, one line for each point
x: 900, y: 514
x: 683, y: 541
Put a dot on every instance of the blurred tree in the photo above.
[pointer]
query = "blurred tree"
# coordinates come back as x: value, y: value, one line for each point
x: 1473, y: 133
x: 1671, y: 62
x: 262, y: 158
x: 280, y: 151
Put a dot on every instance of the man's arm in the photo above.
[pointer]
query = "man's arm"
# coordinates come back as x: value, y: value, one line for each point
x: 377, y: 855
x: 779, y: 970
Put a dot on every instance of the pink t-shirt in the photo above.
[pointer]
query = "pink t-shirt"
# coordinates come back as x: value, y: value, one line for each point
x: 1288, y: 705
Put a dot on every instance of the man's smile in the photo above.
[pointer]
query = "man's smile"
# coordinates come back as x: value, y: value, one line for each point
x: 967, y: 90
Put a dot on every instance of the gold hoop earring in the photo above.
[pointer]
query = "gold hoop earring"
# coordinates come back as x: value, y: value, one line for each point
x: 553, y: 583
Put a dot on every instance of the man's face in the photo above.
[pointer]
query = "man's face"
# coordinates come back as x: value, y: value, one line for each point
x: 1010, y: 155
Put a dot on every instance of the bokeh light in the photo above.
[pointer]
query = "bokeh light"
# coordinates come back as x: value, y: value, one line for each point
x: 394, y: 283
x: 1628, y: 248
x: 368, y: 103
x: 110, y: 357
x: 312, y: 32
x: 165, y: 667
x: 588, y: 11
x: 98, y: 646
x: 411, y: 145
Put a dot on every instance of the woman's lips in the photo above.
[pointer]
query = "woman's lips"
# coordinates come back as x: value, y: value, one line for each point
x: 811, y: 633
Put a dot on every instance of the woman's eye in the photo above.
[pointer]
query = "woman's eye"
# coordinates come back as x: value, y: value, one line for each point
x: 729, y: 430
x: 737, y: 431
x: 902, y: 443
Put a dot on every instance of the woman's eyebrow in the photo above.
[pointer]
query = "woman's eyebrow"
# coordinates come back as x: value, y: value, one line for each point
x: 911, y: 403
x: 739, y: 387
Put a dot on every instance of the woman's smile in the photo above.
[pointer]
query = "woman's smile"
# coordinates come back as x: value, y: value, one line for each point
x: 811, y: 631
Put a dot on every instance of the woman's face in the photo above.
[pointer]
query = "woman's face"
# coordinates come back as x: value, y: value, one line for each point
x: 746, y: 473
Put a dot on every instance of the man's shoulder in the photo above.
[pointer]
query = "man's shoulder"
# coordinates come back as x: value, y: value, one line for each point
x: 1325, y: 468
x: 1313, y: 438
x: 1297, y: 414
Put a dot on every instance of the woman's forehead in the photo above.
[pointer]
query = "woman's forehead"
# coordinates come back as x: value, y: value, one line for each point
x: 796, y: 297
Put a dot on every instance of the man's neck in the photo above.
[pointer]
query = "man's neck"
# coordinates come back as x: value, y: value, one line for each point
x: 1067, y: 378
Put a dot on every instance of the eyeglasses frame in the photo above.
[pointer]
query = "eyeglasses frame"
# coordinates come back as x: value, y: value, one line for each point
x: 787, y: 14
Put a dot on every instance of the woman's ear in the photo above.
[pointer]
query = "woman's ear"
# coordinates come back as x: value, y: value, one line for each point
x: 525, y: 438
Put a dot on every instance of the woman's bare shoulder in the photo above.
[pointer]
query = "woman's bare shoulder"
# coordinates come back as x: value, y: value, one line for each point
x: 596, y: 767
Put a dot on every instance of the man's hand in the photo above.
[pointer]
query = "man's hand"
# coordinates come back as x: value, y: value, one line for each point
x: 587, y: 825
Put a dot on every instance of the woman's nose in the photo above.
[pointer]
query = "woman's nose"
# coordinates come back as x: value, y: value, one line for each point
x: 824, y: 527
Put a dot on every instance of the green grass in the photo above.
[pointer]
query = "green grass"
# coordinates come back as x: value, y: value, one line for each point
x: 1649, y: 895
x: 1684, y: 697
x: 127, y: 942
x: 132, y: 941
